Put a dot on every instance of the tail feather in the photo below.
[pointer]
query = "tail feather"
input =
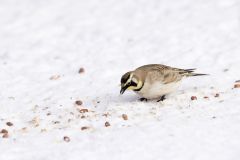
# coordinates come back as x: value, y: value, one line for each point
x: 190, y: 70
x: 190, y: 74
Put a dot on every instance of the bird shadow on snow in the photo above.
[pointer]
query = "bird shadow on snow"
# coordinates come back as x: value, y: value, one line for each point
x: 123, y: 98
x: 182, y: 97
x: 183, y: 94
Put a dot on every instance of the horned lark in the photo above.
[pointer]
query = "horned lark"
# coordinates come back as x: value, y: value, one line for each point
x: 154, y: 80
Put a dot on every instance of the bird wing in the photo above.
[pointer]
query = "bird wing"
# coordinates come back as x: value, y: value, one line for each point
x: 168, y: 74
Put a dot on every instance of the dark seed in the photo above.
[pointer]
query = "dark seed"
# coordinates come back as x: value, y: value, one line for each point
x: 84, y: 128
x: 81, y: 70
x: 193, y: 98
x: 83, y: 110
x: 3, y: 131
x: 107, y: 124
x: 9, y: 124
x: 79, y: 102
x: 5, y: 135
x: 125, y: 117
x: 66, y: 139
x: 237, y: 86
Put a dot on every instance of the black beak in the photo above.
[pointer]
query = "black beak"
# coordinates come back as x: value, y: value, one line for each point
x: 123, y: 89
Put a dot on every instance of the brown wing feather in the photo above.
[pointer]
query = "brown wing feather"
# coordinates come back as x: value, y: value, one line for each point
x: 168, y: 74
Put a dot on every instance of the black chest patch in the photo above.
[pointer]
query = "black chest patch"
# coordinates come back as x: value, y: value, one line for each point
x: 137, y: 90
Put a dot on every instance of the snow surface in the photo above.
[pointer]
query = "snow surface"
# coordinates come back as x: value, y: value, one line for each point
x: 44, y: 43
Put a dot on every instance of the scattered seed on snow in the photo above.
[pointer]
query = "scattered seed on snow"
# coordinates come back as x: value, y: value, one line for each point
x: 9, y: 124
x: 3, y: 131
x: 83, y: 110
x: 35, y: 121
x: 106, y: 114
x: 79, y: 102
x: 81, y: 70
x: 82, y: 117
x: 24, y: 129
x: 125, y: 117
x: 66, y: 139
x: 237, y: 86
x: 84, y: 128
x: 54, y: 77
x: 56, y: 122
x: 5, y: 135
x: 193, y: 98
x: 107, y: 124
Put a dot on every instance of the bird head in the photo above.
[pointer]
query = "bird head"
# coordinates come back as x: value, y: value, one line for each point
x: 130, y: 81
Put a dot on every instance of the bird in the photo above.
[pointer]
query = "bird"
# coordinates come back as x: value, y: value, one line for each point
x: 155, y: 81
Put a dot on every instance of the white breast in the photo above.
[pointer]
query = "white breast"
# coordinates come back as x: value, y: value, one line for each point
x: 157, y: 89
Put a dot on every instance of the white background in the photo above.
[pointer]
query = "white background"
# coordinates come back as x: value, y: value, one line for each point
x: 41, y: 39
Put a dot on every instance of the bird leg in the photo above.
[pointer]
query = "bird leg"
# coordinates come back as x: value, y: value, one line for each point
x: 162, y: 98
x: 143, y: 99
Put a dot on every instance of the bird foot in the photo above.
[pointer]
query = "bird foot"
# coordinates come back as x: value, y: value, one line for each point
x: 162, y: 98
x: 143, y: 99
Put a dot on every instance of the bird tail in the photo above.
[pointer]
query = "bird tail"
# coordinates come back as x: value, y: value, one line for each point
x: 190, y: 73
x: 196, y: 74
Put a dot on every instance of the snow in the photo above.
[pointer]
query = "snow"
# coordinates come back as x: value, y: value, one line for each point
x: 44, y: 43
